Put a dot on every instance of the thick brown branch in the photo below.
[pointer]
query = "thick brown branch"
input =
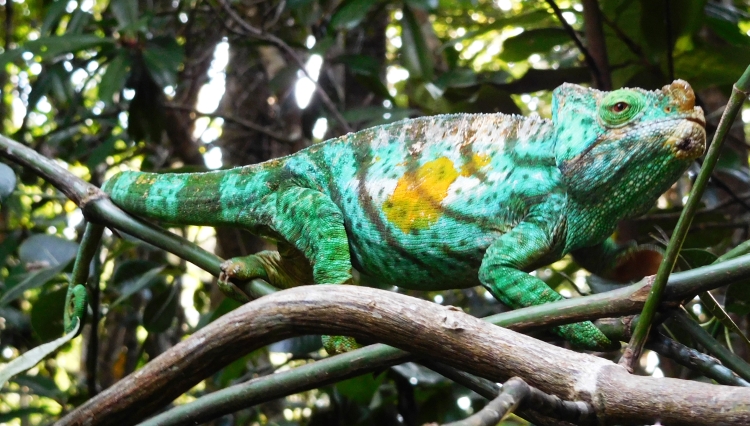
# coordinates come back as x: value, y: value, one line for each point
x: 444, y: 334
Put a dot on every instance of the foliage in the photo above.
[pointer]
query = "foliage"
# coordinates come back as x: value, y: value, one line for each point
x: 104, y: 86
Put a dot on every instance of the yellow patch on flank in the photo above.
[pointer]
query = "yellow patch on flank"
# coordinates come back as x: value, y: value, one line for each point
x: 415, y: 203
x: 477, y: 162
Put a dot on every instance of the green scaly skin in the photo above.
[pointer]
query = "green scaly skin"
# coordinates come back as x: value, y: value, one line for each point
x: 450, y: 201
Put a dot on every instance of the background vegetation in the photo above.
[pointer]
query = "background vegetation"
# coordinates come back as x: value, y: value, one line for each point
x: 104, y: 86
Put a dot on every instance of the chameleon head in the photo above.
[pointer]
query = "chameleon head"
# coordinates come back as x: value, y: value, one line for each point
x: 632, y: 138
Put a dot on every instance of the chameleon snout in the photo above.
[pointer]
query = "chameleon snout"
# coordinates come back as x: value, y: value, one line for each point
x: 688, y: 141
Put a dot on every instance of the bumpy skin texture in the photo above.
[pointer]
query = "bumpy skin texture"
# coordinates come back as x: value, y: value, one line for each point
x: 449, y: 201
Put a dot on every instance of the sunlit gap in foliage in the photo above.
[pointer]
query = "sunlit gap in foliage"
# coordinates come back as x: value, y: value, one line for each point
x: 206, y: 129
x: 305, y: 86
x: 319, y: 129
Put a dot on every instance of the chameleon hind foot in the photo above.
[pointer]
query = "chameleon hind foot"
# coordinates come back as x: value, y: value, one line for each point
x: 279, y: 270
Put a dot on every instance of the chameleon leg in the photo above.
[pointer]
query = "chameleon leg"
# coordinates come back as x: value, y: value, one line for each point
x: 314, y: 225
x: 502, y: 273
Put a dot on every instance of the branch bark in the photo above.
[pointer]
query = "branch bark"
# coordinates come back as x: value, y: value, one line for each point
x: 445, y: 334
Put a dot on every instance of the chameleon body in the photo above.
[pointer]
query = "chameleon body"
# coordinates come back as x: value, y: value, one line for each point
x: 449, y: 201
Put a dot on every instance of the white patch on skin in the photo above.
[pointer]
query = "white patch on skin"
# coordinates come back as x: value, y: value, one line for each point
x: 462, y: 183
x: 416, y: 147
x: 497, y: 175
x: 375, y: 185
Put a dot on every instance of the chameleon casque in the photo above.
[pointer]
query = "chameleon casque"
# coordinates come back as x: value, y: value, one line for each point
x: 449, y: 201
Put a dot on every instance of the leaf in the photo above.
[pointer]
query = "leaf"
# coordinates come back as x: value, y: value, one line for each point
x: 738, y: 298
x: 696, y: 258
x: 360, y: 64
x: 47, y: 314
x: 360, y: 389
x: 712, y: 65
x: 525, y: 20
x: 50, y: 47
x: 159, y: 312
x: 540, y: 40
x: 163, y: 58
x: 416, y: 56
x: 34, y: 356
x: 114, y: 77
x: 32, y: 280
x: 47, y: 249
x: 23, y: 413
x: 728, y: 31
x: 136, y: 283
x: 125, y: 11
x: 52, y: 17
x: 39, y: 385
x: 7, y: 181
x: 351, y: 13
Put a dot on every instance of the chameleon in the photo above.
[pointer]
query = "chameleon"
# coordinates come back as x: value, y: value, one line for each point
x: 448, y: 201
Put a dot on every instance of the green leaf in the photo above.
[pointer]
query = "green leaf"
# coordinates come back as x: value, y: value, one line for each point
x: 51, y: 19
x: 47, y: 314
x: 163, y: 58
x: 34, y: 356
x: 7, y: 181
x: 32, y: 280
x: 712, y: 65
x: 527, y: 43
x: 738, y: 298
x: 114, y: 77
x: 360, y: 389
x: 351, y: 13
x: 50, y: 47
x: 525, y: 20
x: 415, y: 55
x: 39, y: 385
x: 696, y: 258
x: 159, y: 312
x: 135, y: 282
x: 22, y: 413
x: 360, y: 64
x: 47, y: 249
x: 728, y: 31
x: 125, y: 11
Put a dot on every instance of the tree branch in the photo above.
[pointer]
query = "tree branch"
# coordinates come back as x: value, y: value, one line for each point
x: 444, y: 334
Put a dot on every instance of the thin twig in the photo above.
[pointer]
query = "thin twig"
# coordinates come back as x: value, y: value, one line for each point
x: 572, y: 33
x: 694, y: 360
x: 255, y: 32
x: 237, y: 120
x: 635, y: 346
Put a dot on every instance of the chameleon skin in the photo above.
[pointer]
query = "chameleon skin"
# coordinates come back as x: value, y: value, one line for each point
x: 449, y: 201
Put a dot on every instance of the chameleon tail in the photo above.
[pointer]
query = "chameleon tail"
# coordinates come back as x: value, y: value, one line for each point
x: 211, y: 198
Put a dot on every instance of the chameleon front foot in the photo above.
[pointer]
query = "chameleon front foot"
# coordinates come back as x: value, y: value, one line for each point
x: 339, y: 344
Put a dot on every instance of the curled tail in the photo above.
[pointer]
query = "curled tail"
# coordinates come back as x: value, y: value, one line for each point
x: 211, y: 198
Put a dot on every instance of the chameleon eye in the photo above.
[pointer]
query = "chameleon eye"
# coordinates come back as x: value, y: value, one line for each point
x: 620, y: 107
